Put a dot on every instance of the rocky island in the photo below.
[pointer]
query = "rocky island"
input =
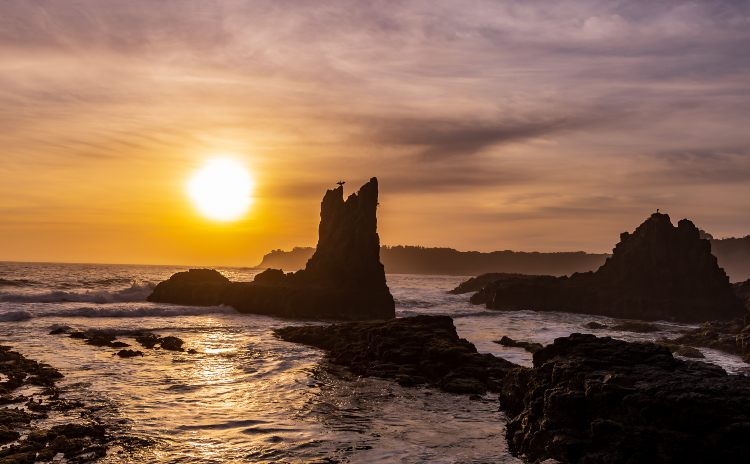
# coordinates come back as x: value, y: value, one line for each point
x: 658, y: 272
x: 344, y: 278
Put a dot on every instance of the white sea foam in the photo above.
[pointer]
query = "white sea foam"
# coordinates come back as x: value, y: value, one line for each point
x: 138, y: 311
x: 136, y: 292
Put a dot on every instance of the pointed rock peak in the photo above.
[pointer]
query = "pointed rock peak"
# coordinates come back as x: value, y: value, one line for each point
x: 348, y: 243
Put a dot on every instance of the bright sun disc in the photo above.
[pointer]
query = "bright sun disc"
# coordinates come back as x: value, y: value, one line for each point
x: 221, y: 189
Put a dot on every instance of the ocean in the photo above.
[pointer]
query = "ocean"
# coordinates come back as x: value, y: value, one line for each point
x: 247, y: 396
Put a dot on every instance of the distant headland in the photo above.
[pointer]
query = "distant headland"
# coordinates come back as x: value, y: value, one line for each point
x: 733, y: 255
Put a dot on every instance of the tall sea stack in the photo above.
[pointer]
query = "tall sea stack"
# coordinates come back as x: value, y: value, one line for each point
x: 657, y: 272
x: 344, y: 279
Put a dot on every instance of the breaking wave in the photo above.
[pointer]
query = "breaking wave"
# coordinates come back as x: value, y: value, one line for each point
x: 15, y: 316
x: 136, y: 292
x: 141, y: 311
x: 17, y: 283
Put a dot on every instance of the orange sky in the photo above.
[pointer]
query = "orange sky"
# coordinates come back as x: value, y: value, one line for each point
x: 507, y: 125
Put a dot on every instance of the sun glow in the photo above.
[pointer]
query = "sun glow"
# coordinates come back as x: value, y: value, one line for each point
x: 221, y: 189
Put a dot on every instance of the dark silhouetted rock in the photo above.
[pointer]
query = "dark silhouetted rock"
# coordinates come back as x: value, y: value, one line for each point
x: 171, y: 343
x: 600, y: 400
x: 129, y: 353
x: 196, y: 287
x: 412, y: 351
x: 687, y: 352
x: 636, y: 326
x: 594, y: 325
x: 343, y: 279
x: 147, y: 340
x: 270, y: 276
x: 100, y: 339
x: 477, y: 283
x: 659, y: 272
x: 528, y: 346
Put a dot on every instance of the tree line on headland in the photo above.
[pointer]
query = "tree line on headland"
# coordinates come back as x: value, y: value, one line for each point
x: 733, y: 255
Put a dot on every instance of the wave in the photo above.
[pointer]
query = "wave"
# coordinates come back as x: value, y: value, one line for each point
x: 17, y: 283
x: 413, y: 303
x: 15, y: 316
x: 105, y: 311
x: 136, y: 292
x: 141, y: 311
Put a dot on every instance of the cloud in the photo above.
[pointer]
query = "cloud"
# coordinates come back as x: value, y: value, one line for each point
x: 438, y: 139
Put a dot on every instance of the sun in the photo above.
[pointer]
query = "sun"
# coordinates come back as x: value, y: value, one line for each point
x: 221, y: 189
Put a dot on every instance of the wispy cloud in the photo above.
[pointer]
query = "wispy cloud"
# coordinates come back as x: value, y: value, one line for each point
x: 583, y: 102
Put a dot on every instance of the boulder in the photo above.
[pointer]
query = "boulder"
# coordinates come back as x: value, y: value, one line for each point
x: 413, y: 351
x: 658, y: 272
x: 343, y: 279
x: 600, y: 400
x: 195, y: 287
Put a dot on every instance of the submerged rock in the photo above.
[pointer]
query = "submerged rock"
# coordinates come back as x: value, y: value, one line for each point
x: 657, y: 272
x: 344, y: 278
x: 171, y: 343
x: 414, y: 350
x: 107, y: 339
x: 636, y: 326
x: 594, y: 325
x: 129, y: 353
x: 531, y: 347
x: 687, y: 352
x: 600, y: 400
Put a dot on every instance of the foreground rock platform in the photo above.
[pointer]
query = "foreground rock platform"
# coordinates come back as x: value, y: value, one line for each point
x: 29, y: 396
x: 600, y: 400
x: 344, y: 278
x: 658, y: 272
x: 413, y: 351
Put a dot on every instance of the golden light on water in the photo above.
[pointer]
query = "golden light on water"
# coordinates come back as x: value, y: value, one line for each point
x: 221, y: 189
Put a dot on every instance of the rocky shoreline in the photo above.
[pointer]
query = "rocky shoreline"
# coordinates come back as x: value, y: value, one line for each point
x: 28, y: 395
x: 586, y: 399
x: 597, y: 400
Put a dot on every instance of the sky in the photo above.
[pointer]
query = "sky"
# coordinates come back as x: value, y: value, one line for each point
x: 523, y: 125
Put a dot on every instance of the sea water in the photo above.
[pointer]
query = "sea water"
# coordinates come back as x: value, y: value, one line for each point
x: 247, y: 396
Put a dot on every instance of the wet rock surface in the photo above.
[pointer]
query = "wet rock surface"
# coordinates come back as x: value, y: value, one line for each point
x: 728, y: 336
x: 600, y: 400
x: 343, y: 279
x: 79, y: 440
x: 658, y: 272
x: 413, y: 351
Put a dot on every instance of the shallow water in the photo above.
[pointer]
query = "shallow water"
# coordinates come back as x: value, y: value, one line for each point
x: 249, y: 397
